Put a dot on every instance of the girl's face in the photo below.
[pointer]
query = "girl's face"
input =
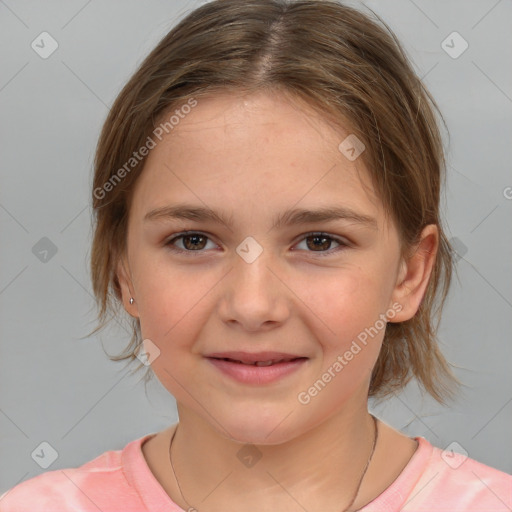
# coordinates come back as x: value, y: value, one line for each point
x: 261, y: 280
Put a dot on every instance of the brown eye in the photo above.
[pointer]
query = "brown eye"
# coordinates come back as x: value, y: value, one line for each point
x: 194, y: 242
x: 319, y: 242
x: 188, y: 242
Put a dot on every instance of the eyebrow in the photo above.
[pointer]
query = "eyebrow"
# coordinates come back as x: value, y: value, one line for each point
x: 288, y: 218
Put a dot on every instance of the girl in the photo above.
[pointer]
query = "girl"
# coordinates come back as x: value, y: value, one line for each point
x: 266, y: 198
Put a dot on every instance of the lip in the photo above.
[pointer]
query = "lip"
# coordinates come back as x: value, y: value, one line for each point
x: 257, y: 375
x: 247, y: 357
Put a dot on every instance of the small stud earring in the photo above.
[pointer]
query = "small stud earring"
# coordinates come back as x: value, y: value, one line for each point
x: 132, y: 300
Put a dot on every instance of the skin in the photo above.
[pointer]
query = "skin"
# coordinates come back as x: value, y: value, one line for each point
x: 252, y: 157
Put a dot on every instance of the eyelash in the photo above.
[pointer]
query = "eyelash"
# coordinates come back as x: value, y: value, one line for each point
x: 343, y: 244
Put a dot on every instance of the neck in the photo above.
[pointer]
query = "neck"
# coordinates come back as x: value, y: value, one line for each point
x: 318, y: 469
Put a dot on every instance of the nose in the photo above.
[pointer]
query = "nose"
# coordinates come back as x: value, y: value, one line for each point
x: 254, y: 296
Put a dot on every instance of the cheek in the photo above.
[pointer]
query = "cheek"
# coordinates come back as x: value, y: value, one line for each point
x: 171, y: 318
x: 343, y: 302
x: 171, y: 300
x: 347, y: 323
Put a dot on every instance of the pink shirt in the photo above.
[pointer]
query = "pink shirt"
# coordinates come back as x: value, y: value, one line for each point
x: 121, y: 481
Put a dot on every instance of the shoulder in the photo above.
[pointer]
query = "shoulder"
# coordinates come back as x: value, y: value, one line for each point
x: 455, y: 482
x: 96, y: 485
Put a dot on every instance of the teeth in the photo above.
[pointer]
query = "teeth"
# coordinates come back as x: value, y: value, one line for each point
x: 261, y: 363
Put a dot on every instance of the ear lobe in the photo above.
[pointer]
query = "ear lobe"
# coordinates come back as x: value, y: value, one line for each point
x: 414, y: 274
x: 126, y: 286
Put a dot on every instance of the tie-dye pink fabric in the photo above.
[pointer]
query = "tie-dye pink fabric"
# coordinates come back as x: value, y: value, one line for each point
x: 121, y: 481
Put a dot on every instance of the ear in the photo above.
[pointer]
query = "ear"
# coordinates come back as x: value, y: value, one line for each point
x: 126, y: 286
x: 414, y: 274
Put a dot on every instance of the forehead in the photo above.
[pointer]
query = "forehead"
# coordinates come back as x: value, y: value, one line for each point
x: 257, y: 153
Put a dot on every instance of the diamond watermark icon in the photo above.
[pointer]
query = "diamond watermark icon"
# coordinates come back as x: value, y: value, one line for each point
x: 44, y: 250
x: 454, y: 455
x: 249, y: 249
x: 44, y: 45
x: 454, y: 45
x: 147, y: 352
x: 45, y: 455
x: 249, y: 455
x: 351, y: 147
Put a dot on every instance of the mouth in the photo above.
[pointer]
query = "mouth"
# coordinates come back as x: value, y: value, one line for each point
x: 269, y: 362
x: 263, y: 358
x: 258, y: 368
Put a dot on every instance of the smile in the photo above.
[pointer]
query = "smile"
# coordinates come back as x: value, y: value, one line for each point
x: 257, y: 372
x: 260, y: 363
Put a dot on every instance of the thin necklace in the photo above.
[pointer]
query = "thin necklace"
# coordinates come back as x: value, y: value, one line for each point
x: 344, y: 510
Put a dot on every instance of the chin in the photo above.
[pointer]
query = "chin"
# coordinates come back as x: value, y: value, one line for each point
x: 255, y: 428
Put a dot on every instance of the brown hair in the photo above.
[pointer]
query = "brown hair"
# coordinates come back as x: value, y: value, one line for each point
x: 344, y: 64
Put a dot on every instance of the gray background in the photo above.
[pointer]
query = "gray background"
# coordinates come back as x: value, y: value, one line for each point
x: 57, y: 388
